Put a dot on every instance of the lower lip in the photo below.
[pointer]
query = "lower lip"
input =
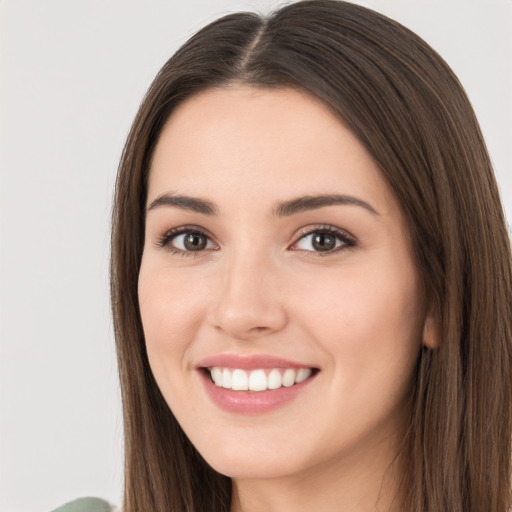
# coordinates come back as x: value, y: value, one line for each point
x: 252, y: 402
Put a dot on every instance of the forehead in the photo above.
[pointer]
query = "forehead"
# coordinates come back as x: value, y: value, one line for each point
x: 246, y: 144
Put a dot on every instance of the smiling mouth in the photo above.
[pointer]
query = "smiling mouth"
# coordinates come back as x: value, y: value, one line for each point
x: 256, y: 380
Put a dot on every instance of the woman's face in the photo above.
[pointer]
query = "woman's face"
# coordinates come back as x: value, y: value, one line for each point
x: 277, y: 258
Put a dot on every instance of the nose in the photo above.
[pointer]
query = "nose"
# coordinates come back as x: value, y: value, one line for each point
x: 249, y: 304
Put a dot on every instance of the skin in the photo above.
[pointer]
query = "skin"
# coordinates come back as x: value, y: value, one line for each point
x: 259, y: 287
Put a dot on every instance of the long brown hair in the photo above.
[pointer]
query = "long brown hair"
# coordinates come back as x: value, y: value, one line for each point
x: 406, y: 106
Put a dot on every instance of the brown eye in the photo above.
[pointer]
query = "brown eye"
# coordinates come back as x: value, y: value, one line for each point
x: 194, y: 241
x: 323, y: 241
x: 186, y: 241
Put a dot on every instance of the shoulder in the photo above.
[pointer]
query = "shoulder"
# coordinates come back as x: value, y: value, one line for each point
x: 86, y: 505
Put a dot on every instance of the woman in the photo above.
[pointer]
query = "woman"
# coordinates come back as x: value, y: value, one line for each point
x: 311, y: 276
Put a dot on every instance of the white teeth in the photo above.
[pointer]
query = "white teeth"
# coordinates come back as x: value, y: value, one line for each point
x: 226, y: 378
x: 258, y: 380
x: 302, y: 375
x: 274, y: 379
x: 217, y: 376
x: 289, y: 377
x: 240, y: 380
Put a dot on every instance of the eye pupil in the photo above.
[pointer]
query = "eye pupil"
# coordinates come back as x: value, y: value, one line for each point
x: 194, y: 242
x: 323, y: 242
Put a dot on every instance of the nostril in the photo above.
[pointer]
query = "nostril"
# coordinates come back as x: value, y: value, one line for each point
x: 259, y: 329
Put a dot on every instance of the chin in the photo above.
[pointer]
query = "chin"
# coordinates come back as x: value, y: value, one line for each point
x: 247, y: 465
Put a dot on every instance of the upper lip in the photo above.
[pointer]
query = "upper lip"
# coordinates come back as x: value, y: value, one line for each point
x: 249, y: 362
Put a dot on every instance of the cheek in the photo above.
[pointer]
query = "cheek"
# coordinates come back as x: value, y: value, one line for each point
x: 365, y: 318
x: 170, y: 311
x: 369, y: 330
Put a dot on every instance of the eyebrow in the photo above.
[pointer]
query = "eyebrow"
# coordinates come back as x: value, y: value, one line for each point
x: 282, y: 209
x: 194, y: 204
x: 302, y: 204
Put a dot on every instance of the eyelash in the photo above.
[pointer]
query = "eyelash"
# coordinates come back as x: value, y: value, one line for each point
x: 347, y: 240
x: 169, y: 236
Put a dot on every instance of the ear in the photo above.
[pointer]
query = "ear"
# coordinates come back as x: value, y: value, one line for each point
x: 431, y: 337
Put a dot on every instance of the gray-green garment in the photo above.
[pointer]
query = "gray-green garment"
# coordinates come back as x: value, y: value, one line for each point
x: 85, y: 505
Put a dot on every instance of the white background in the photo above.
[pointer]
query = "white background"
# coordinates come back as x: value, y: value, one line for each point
x: 72, y: 75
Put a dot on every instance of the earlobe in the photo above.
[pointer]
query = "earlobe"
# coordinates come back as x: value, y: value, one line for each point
x: 431, y: 338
